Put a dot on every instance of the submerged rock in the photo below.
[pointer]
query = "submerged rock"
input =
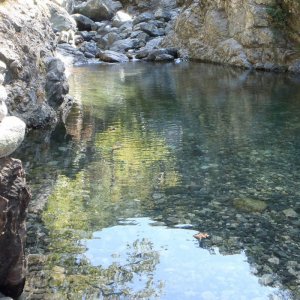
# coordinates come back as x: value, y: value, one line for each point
x: 250, y: 205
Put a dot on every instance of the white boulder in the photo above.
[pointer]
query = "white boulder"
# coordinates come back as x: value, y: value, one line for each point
x: 12, y: 132
x: 3, y: 110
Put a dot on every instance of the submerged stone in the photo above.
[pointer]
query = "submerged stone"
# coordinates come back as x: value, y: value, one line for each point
x: 290, y: 213
x: 250, y: 205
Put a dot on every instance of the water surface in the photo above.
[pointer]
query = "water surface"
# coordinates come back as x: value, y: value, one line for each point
x: 152, y: 154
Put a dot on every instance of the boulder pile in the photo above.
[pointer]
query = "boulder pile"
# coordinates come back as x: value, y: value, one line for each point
x: 112, y: 31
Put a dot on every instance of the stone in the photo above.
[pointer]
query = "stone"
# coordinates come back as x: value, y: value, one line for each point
x: 3, y: 67
x: 14, y: 199
x: 290, y: 213
x: 120, y: 18
x: 161, y: 55
x: 56, y: 86
x: 98, y: 10
x: 60, y: 19
x: 3, y: 93
x: 12, y: 132
x: 152, y: 29
x: 266, y: 279
x: 90, y: 47
x: 124, y: 45
x: 144, y: 17
x: 274, y: 260
x: 154, y: 43
x: 250, y: 205
x: 113, y: 57
x: 67, y: 4
x: 84, y: 23
x: 3, y: 110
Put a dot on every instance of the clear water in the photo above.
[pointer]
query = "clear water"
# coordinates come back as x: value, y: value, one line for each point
x: 153, y: 154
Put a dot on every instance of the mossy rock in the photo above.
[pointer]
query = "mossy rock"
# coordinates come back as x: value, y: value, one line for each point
x: 249, y: 205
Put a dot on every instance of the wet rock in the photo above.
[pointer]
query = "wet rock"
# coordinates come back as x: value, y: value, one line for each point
x: 84, y: 23
x: 56, y: 86
x: 250, y: 205
x: 113, y: 57
x: 14, y: 199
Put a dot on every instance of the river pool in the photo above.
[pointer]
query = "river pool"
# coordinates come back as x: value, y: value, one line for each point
x: 151, y: 155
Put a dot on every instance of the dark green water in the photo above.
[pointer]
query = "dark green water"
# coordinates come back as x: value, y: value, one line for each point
x: 151, y: 155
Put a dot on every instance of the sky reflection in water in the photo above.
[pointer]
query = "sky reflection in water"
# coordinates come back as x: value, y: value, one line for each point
x: 185, y: 270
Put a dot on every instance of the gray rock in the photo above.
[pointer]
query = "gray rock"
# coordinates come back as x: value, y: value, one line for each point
x: 121, y: 18
x: 12, y: 132
x: 152, y: 29
x: 124, y: 45
x: 161, y: 55
x: 3, y: 110
x: 274, y: 260
x: 113, y: 57
x: 60, y: 19
x: 87, y: 35
x: 162, y: 14
x: 56, y: 85
x: 144, y: 17
x: 266, y: 279
x: 3, y: 94
x: 154, y: 43
x: 90, y: 47
x: 3, y: 67
x: 98, y: 10
x: 84, y: 23
x: 295, y: 66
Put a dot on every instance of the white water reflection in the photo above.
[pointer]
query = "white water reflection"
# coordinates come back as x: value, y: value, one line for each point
x: 185, y: 270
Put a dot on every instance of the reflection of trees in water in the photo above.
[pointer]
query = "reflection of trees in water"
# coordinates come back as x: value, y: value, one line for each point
x: 78, y: 279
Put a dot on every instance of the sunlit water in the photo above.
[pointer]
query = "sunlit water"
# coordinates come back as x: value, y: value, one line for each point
x: 153, y: 154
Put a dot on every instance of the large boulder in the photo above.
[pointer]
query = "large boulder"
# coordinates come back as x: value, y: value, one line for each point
x: 98, y: 10
x: 60, y: 19
x: 84, y: 23
x: 14, y: 199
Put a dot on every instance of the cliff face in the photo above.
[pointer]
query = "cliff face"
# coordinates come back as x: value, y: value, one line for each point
x: 263, y: 34
x: 34, y: 80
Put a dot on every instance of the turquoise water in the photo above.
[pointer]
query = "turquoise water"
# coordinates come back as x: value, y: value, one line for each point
x: 154, y: 153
